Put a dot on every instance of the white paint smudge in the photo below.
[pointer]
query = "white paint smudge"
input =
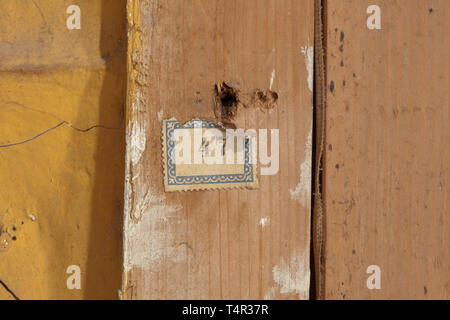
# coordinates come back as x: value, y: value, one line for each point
x: 293, y: 276
x: 160, y: 115
x: 150, y: 241
x: 263, y: 222
x: 272, y: 78
x: 32, y: 217
x: 270, y: 294
x: 302, y: 192
x: 137, y: 139
x: 149, y: 237
x: 308, y: 52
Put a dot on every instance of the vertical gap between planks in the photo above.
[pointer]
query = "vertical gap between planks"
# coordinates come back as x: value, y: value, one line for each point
x: 317, y: 252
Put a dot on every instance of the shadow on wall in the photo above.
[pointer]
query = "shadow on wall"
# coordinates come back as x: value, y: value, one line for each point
x: 103, y: 274
x: 61, y: 192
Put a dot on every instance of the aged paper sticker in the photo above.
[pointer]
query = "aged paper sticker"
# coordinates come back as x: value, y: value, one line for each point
x: 202, y: 155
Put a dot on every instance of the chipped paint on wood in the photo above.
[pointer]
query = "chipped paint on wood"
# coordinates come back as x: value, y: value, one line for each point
x: 137, y: 139
x: 174, y: 246
x: 293, y: 275
x: 302, y: 192
x: 308, y: 52
x: 263, y: 222
x: 272, y: 79
x: 148, y: 239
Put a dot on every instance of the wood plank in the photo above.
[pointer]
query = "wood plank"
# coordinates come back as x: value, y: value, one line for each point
x: 214, y: 244
x: 387, y: 157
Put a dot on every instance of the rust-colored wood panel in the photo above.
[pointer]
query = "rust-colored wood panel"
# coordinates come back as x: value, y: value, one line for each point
x: 214, y: 244
x: 387, y: 150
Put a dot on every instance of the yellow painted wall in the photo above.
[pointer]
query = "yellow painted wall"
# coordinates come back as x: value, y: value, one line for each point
x: 69, y: 180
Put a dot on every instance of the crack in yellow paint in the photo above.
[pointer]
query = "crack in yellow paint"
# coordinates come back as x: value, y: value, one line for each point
x: 61, y: 196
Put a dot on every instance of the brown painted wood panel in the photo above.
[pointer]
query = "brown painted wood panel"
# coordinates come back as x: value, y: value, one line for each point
x: 233, y: 244
x: 386, y: 180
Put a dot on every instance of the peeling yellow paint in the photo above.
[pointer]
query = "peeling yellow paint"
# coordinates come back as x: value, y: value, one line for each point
x: 61, y: 194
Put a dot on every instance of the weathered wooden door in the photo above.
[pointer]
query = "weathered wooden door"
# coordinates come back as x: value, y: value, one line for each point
x: 224, y: 243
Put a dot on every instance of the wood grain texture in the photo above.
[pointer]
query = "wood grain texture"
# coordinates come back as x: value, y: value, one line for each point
x: 387, y: 158
x: 212, y: 244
